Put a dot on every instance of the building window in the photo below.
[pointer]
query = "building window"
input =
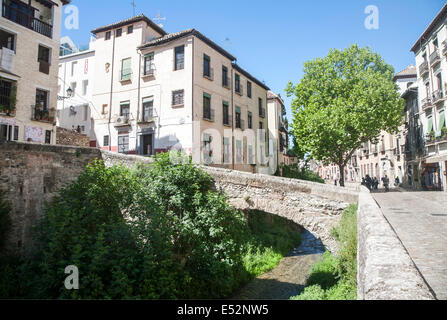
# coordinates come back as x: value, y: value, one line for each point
x: 148, y: 109
x: 73, y: 86
x: 149, y: 64
x: 84, y: 87
x: 206, y: 66
x: 44, y: 59
x: 123, y: 144
x: 5, y: 95
x: 48, y: 136
x: 225, y: 80
x: 225, y: 114
x: 226, y: 150
x: 261, y: 109
x: 207, y: 114
x: 42, y: 99
x: 179, y: 58
x: 239, y: 156
x: 129, y: 29
x: 207, y: 151
x: 178, y: 98
x: 250, y: 121
x: 249, y: 89
x: 5, y: 132
x: 7, y: 40
x: 238, y: 118
x: 126, y: 69
x: 125, y: 109
x: 16, y: 133
x: 104, y: 109
x: 119, y: 32
x: 237, y: 83
x: 73, y: 68
x: 108, y: 35
x: 106, y: 141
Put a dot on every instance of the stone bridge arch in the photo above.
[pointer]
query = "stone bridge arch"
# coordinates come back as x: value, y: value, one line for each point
x: 316, y: 207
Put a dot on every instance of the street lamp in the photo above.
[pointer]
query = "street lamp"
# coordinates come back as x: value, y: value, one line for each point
x: 69, y: 94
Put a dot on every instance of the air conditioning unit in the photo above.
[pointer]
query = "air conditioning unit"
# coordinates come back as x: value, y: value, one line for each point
x: 122, y: 120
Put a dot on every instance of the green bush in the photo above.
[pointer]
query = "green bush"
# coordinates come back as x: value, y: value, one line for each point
x: 293, y: 172
x: 335, y: 277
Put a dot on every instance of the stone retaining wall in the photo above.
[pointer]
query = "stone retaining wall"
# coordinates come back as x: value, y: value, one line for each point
x: 385, y: 270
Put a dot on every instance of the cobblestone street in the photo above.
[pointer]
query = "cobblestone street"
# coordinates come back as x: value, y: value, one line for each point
x: 420, y: 221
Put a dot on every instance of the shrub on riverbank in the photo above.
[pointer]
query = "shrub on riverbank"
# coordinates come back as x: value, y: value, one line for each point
x: 335, y: 277
x: 293, y: 172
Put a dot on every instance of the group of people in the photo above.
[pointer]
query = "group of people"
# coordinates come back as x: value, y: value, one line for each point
x: 373, y: 183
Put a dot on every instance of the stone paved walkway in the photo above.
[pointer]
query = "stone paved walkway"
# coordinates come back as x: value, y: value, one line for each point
x: 288, y: 279
x: 420, y: 221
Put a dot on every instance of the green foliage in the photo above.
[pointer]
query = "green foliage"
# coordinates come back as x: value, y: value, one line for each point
x: 269, y: 240
x: 292, y: 172
x: 156, y: 232
x: 335, y: 277
x: 344, y: 100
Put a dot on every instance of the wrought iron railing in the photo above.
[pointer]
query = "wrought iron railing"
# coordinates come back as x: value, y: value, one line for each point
x: 435, y: 57
x: 423, y: 68
x: 25, y: 19
x: 42, y: 114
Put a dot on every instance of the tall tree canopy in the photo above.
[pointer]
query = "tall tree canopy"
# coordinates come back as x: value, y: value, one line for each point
x: 344, y: 100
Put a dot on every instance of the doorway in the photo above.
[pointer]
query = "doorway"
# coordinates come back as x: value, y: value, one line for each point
x: 147, y: 145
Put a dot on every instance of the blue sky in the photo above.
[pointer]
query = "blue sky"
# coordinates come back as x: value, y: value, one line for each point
x: 272, y: 39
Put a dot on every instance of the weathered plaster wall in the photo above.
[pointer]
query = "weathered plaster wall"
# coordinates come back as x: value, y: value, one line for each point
x: 385, y: 270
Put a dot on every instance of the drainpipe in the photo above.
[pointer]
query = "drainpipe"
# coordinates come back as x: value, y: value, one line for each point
x: 192, y: 105
x: 111, y: 92
x: 138, y: 102
x: 233, y: 118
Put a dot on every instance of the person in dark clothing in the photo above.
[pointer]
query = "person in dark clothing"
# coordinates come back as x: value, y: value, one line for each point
x: 368, y: 182
x: 386, y: 183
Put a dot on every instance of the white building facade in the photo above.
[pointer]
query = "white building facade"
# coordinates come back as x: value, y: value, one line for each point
x: 431, y: 60
x: 29, y: 54
x: 155, y: 92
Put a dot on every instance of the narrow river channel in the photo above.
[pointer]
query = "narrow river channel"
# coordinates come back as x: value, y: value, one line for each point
x: 289, y: 277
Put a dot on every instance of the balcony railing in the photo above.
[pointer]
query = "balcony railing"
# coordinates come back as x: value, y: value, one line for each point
x: 148, y: 70
x: 42, y: 114
x: 208, y: 114
x: 438, y: 95
x: 444, y: 47
x: 426, y: 103
x: 148, y: 118
x: 423, y: 68
x: 24, y: 19
x: 435, y: 57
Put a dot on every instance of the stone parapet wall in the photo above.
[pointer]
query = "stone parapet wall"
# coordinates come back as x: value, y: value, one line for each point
x: 66, y: 137
x: 385, y: 270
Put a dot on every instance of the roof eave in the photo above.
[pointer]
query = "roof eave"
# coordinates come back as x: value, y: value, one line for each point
x: 430, y: 27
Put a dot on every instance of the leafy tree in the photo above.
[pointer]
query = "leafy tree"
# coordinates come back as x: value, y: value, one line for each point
x: 344, y: 100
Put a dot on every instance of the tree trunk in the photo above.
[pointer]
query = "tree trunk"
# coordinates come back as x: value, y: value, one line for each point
x: 342, y: 175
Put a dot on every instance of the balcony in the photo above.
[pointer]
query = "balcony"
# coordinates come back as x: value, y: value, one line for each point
x: 435, y: 57
x: 444, y: 48
x: 26, y: 19
x: 42, y: 114
x: 438, y: 96
x: 208, y: 115
x: 147, y: 119
x: 423, y: 68
x: 426, y: 103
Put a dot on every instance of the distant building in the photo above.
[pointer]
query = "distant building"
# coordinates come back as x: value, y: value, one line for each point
x: 278, y: 127
x: 29, y: 56
x: 430, y: 51
x: 75, y: 109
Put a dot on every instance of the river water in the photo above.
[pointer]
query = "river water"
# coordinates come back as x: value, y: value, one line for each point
x: 289, y: 277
